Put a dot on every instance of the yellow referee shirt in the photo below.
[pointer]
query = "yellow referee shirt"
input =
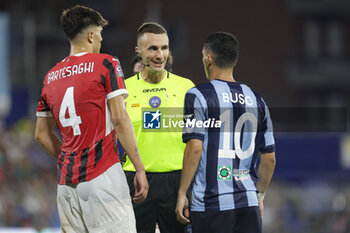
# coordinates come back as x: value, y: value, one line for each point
x: 159, y: 151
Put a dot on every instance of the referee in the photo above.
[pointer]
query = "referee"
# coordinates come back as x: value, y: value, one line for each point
x: 161, y: 152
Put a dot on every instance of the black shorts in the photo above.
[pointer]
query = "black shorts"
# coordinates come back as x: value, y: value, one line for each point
x: 160, y: 203
x: 242, y: 220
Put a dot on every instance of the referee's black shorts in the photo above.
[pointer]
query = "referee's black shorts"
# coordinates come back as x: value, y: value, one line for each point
x: 242, y: 220
x: 160, y: 203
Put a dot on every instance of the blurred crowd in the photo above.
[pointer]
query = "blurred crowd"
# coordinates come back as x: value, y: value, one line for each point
x: 28, y: 192
x: 311, y: 206
x: 27, y: 179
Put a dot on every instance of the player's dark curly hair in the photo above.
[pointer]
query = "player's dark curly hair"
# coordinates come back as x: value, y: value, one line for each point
x: 77, y: 18
x: 224, y: 48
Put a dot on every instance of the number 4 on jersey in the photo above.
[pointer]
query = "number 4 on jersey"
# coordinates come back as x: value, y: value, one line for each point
x: 73, y: 120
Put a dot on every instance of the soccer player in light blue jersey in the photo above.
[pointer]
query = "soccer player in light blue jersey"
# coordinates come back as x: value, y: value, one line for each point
x: 228, y: 127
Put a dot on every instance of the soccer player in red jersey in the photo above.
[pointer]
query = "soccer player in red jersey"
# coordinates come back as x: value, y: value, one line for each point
x: 84, y: 96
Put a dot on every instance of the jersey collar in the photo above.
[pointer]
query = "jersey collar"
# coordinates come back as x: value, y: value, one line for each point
x: 79, y: 54
x: 139, y: 75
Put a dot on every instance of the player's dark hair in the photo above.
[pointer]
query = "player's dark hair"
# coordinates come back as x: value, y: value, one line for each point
x: 169, y: 62
x: 77, y: 18
x: 135, y: 60
x: 224, y: 48
x: 150, y: 27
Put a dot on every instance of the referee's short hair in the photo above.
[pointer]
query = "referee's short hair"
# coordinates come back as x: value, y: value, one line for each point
x: 77, y: 18
x: 150, y: 27
x: 224, y: 48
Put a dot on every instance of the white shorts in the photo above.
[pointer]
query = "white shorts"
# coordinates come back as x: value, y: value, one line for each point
x: 101, y: 205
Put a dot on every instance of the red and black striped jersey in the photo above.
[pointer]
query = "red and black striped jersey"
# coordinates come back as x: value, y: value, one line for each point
x: 75, y: 93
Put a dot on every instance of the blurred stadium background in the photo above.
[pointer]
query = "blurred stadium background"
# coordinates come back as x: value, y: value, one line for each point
x: 295, y: 53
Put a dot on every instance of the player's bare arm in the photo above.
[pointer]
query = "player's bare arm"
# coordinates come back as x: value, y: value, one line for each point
x: 265, y: 172
x: 124, y: 129
x: 45, y: 137
x: 192, y: 156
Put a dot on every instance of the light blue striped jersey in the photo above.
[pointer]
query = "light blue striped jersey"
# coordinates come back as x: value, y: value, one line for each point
x: 234, y: 124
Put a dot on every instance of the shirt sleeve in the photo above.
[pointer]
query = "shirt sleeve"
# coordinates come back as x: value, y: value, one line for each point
x: 114, y: 78
x: 268, y: 144
x: 43, y: 109
x: 194, y: 111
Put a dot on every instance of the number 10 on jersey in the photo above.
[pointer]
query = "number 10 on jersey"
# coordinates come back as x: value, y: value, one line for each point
x: 226, y: 152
